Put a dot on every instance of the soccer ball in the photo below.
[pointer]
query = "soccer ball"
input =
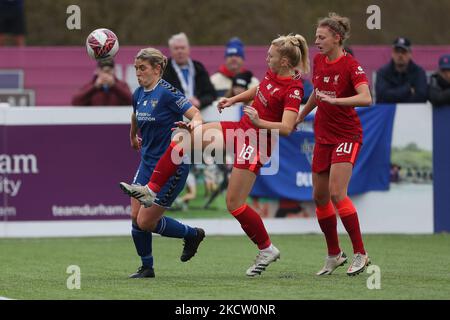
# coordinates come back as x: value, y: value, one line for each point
x: 102, y: 44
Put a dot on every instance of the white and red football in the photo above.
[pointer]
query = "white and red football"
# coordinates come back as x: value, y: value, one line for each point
x: 102, y: 44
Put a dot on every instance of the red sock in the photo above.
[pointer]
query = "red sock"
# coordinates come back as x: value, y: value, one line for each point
x: 326, y: 216
x: 165, y: 168
x: 349, y: 219
x: 253, y: 226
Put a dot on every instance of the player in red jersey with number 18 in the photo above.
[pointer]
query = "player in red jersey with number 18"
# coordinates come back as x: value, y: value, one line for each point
x: 276, y: 102
x: 340, y: 84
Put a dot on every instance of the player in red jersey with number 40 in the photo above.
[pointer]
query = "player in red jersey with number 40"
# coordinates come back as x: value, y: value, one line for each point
x: 340, y: 84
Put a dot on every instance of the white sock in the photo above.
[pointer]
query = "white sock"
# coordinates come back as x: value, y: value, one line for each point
x: 268, y: 249
x: 151, y: 191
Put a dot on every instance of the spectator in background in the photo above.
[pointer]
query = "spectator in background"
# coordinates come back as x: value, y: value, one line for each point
x: 401, y: 80
x: 12, y: 21
x: 440, y: 83
x: 349, y: 50
x: 234, y: 64
x: 187, y: 75
x: 104, y: 89
x: 239, y: 83
x: 190, y: 192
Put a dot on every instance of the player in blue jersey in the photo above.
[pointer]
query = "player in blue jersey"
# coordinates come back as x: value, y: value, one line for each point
x: 157, y: 105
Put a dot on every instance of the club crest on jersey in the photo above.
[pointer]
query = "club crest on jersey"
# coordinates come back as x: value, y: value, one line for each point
x: 154, y: 103
x: 326, y: 79
x: 269, y: 86
x: 336, y: 78
x: 144, y: 103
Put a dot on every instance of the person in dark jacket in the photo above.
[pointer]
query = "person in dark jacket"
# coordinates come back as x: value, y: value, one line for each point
x: 104, y: 89
x: 401, y: 80
x: 439, y: 92
x: 187, y: 75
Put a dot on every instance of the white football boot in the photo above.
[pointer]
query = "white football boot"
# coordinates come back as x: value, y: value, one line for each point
x: 332, y: 263
x: 359, y: 263
x: 262, y: 261
x: 141, y: 193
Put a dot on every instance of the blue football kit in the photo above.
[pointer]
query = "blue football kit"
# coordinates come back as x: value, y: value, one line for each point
x: 156, y: 111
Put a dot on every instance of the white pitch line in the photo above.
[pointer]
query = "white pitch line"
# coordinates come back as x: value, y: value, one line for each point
x: 5, y: 298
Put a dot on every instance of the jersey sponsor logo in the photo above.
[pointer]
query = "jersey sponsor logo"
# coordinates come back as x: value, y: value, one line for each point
x: 296, y: 95
x: 144, y: 116
x: 261, y: 97
x: 328, y: 93
x: 360, y: 70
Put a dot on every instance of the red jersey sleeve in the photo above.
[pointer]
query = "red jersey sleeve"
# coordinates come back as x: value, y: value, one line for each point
x: 293, y: 98
x: 357, y: 74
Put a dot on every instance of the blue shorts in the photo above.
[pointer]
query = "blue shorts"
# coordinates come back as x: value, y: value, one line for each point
x: 170, y: 191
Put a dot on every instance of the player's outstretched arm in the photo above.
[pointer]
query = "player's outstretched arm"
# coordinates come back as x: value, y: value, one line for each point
x: 242, y: 97
x: 192, y: 114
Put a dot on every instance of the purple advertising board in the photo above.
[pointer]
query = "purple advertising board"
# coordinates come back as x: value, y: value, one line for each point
x: 65, y: 172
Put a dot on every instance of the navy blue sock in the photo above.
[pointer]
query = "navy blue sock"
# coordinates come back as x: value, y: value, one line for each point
x: 143, y: 243
x: 169, y: 227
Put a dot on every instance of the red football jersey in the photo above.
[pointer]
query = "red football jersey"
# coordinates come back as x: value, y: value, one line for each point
x: 274, y: 95
x: 339, y: 78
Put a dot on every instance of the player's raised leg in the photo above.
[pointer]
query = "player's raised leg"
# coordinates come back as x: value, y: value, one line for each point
x: 209, y: 135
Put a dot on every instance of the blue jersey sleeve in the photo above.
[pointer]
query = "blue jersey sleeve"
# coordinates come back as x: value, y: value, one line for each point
x: 177, y: 101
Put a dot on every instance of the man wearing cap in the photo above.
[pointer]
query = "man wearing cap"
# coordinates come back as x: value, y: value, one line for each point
x: 440, y: 83
x: 234, y: 62
x: 187, y: 75
x: 401, y: 80
x: 104, y: 89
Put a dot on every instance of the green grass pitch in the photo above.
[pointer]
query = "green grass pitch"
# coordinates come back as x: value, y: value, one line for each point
x: 412, y: 267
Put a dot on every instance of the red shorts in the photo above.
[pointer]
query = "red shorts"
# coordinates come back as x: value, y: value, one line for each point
x: 251, y: 151
x: 326, y: 154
